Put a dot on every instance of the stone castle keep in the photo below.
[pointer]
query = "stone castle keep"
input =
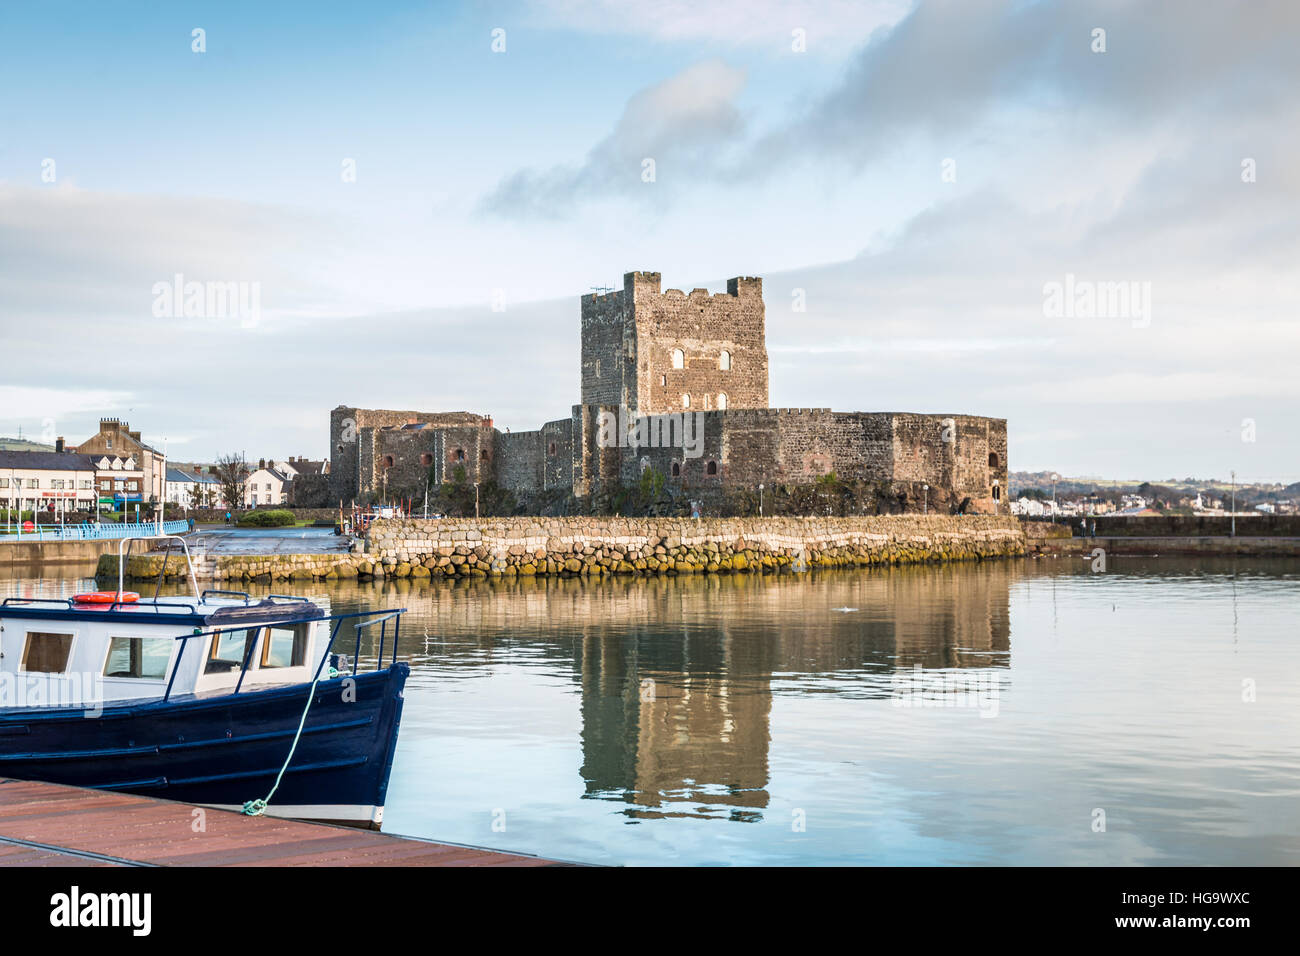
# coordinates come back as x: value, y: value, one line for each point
x: 692, y: 372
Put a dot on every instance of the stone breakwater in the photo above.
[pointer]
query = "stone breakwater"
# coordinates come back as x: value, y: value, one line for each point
x: 581, y: 546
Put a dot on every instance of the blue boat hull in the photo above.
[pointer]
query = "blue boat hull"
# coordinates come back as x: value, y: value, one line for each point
x: 227, y: 750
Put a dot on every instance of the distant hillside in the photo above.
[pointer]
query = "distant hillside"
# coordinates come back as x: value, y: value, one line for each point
x: 1019, y: 480
x: 23, y: 444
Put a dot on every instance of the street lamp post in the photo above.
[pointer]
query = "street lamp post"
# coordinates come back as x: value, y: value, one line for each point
x: 476, y: 500
x: 760, y: 500
x: 925, y: 510
x: 1234, y: 505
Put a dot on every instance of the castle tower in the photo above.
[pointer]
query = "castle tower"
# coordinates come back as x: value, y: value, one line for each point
x: 658, y: 352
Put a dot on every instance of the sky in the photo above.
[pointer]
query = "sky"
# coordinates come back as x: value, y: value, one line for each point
x: 414, y: 195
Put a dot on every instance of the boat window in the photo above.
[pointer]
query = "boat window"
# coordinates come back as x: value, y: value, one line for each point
x: 141, y: 657
x: 46, y: 653
x: 285, y: 646
x: 228, y: 651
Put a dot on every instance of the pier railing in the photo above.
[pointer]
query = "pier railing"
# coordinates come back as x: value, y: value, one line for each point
x: 94, y: 532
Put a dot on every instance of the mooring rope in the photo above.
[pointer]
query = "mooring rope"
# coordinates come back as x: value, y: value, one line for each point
x: 255, y: 808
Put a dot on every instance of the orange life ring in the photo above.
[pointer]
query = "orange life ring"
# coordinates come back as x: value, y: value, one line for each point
x: 106, y: 597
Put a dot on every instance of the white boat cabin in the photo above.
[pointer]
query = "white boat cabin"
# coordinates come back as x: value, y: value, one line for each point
x: 74, y: 653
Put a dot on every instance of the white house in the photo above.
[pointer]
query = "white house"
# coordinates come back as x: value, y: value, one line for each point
x: 266, y: 487
x: 1028, y: 507
x: 193, y: 489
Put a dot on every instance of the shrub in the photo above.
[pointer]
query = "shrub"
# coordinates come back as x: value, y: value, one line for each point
x: 270, y: 518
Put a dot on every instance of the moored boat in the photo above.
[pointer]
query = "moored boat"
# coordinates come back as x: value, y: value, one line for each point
x: 217, y: 699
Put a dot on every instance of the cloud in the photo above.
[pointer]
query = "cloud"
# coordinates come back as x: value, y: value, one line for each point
x: 831, y: 25
x: 950, y: 68
x: 999, y: 75
x: 71, y: 252
x: 678, y: 125
x: 51, y: 407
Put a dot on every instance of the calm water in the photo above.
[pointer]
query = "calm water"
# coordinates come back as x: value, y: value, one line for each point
x: 760, y: 720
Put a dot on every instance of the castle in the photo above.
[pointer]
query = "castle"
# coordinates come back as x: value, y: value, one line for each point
x: 677, y: 383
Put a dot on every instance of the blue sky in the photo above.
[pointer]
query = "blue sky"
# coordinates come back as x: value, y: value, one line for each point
x: 515, y: 177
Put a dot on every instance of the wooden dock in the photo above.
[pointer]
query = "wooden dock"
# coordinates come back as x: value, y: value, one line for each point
x: 45, y: 824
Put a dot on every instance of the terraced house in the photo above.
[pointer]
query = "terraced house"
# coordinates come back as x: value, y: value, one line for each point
x: 48, y: 481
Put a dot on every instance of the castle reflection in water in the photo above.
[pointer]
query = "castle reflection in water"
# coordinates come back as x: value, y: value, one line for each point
x: 677, y: 677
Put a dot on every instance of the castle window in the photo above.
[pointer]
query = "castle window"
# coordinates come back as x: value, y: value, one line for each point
x: 677, y: 469
x: 993, y: 459
x: 724, y: 360
x: 679, y: 358
x: 722, y: 399
x: 551, y: 449
x: 426, y: 459
x: 459, y: 454
x: 997, y: 493
x: 483, y: 454
x: 663, y: 379
x: 711, y: 468
x: 388, y: 463
x: 686, y: 400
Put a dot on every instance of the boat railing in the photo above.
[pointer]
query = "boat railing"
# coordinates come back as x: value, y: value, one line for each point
x: 242, y: 594
x: 361, y: 617
x: 71, y: 605
x: 124, y: 551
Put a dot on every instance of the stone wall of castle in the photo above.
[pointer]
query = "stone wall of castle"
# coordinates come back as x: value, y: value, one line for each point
x: 629, y: 338
x: 520, y: 461
x: 959, y: 457
x: 537, y: 461
x: 706, y: 329
x: 608, y: 356
x: 376, y: 449
x: 965, y: 454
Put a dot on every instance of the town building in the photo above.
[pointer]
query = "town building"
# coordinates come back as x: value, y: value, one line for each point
x: 53, y: 482
x: 193, y: 489
x: 266, y: 486
x: 677, y: 383
x: 139, y: 471
x: 299, y: 481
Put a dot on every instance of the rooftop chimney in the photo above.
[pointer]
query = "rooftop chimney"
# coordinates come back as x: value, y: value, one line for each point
x: 58, y: 444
